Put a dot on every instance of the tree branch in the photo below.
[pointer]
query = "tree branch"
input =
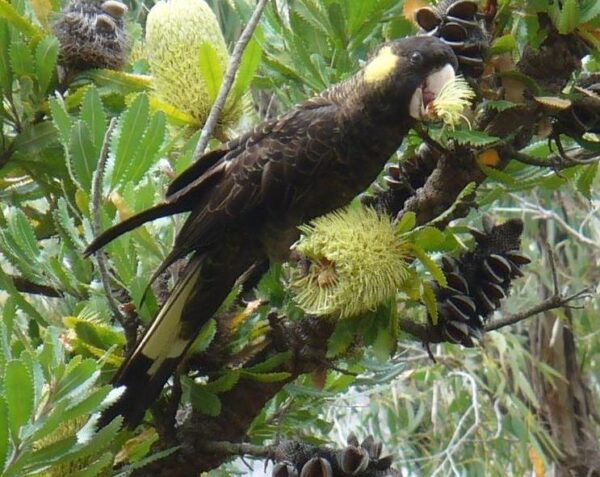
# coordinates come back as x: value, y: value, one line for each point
x: 97, y: 219
x: 555, y: 301
x: 576, y: 156
x: 232, y: 68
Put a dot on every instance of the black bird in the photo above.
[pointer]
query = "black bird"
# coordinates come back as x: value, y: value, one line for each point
x: 247, y: 198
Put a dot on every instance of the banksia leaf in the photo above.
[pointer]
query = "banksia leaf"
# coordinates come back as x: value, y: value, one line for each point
x: 356, y: 260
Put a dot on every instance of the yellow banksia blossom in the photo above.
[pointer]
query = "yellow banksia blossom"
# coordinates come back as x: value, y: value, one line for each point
x: 176, y: 31
x: 450, y: 103
x: 356, y: 261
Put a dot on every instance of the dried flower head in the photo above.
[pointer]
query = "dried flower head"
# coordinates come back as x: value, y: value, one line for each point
x: 92, y: 35
x: 450, y: 103
x: 176, y: 31
x: 356, y: 261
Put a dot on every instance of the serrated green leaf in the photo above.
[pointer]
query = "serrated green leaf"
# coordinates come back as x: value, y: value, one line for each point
x: 4, y: 433
x: 95, y: 333
x: 340, y: 339
x: 204, y: 401
x: 223, y: 383
x: 35, y: 138
x: 499, y: 105
x: 569, y: 17
x: 430, y: 301
x: 383, y: 345
x: 430, y: 265
x: 473, y: 138
x: 5, y: 70
x: 271, y: 362
x: 589, y: 10
x: 66, y: 226
x: 88, y: 404
x: 407, y: 222
x: 210, y: 69
x: 51, y: 355
x: 77, y: 379
x: 23, y: 233
x: 83, y: 156
x: 92, y: 114
x: 266, y: 377
x: 586, y: 178
x: 120, y: 81
x: 21, y: 59
x: 430, y: 238
x: 19, y: 394
x: 503, y: 44
x: 152, y: 458
x: 338, y: 23
x: 61, y: 120
x: 148, y: 150
x: 46, y: 56
x: 205, y: 337
x: 18, y: 21
x: 49, y: 454
x: 250, y: 61
x: 131, y: 130
x: 97, y: 467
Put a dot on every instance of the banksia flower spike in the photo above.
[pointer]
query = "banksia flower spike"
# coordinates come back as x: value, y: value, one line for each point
x: 177, y: 33
x: 450, y: 103
x: 92, y: 35
x: 355, y: 260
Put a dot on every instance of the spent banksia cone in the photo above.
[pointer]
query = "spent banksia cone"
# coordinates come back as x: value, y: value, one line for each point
x: 176, y: 33
x: 478, y: 280
x: 92, y: 35
x: 354, y: 261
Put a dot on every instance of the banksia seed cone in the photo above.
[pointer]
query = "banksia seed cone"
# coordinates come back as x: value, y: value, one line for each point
x: 284, y: 469
x: 92, y: 35
x: 176, y: 31
x: 455, y: 23
x: 356, y: 460
x: 478, y: 280
x: 402, y: 180
x: 354, y: 261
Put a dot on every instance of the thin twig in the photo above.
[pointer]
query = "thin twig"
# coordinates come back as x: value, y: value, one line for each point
x: 238, y: 448
x: 574, y: 157
x: 96, y: 221
x: 552, y: 263
x: 232, y: 68
x: 555, y: 301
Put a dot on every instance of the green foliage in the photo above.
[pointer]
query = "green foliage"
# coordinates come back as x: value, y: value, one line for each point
x: 58, y: 349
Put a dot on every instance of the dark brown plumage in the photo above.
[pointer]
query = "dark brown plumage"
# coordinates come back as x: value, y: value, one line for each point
x: 248, y: 197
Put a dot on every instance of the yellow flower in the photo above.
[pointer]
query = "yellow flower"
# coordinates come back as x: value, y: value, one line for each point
x: 176, y: 31
x: 357, y: 261
x: 450, y: 103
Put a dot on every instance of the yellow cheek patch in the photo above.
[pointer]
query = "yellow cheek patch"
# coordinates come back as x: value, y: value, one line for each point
x: 382, y: 66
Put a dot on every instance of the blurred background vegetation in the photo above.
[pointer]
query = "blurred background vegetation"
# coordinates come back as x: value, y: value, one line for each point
x: 524, y: 403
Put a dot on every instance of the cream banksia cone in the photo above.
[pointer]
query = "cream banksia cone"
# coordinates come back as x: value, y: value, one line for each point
x: 355, y: 261
x: 176, y: 31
